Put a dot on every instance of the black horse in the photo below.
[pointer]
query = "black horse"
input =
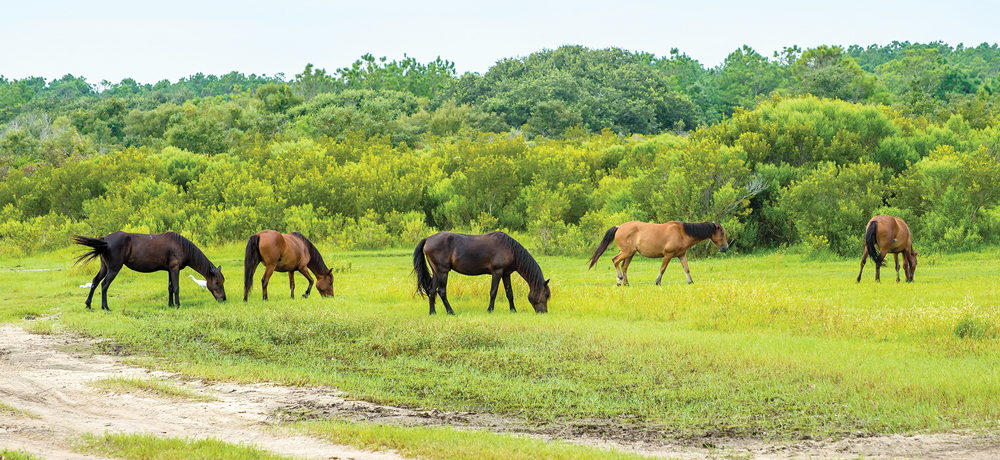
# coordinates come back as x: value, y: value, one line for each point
x: 148, y: 253
x: 494, y: 254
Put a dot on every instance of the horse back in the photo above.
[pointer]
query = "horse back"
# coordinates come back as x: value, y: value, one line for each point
x: 148, y: 253
x: 470, y: 254
x: 892, y: 233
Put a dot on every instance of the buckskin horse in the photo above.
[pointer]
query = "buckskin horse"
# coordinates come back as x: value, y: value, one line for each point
x: 669, y: 240
x: 285, y: 252
x: 495, y: 254
x: 148, y: 253
x: 889, y: 235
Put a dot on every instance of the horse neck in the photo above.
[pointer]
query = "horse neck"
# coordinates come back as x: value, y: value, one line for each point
x: 199, y: 262
x: 531, y: 272
x: 317, y: 265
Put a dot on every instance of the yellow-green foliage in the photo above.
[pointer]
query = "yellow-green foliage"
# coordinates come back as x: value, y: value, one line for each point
x: 143, y: 447
x: 446, y: 443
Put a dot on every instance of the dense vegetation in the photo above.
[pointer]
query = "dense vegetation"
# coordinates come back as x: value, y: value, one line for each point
x: 800, y: 148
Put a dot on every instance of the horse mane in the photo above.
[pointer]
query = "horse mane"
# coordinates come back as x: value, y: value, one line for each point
x: 195, y: 257
x: 524, y: 263
x: 316, y: 263
x: 702, y: 230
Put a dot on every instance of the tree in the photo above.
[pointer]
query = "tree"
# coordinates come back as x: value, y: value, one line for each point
x: 826, y: 71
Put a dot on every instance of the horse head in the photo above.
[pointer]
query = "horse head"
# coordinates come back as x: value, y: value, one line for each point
x: 324, y: 283
x: 215, y: 282
x: 719, y: 238
x: 539, y: 297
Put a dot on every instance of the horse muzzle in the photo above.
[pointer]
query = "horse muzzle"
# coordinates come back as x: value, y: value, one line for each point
x: 723, y: 248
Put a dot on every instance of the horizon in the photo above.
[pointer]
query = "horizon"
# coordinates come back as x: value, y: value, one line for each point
x: 142, y: 42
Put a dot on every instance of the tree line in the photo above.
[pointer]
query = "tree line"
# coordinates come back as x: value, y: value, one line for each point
x: 796, y: 149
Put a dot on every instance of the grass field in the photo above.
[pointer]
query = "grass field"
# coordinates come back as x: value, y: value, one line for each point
x: 769, y: 346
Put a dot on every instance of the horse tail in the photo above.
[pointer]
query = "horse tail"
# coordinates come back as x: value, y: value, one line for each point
x: 871, y: 237
x: 609, y: 236
x: 97, y: 247
x: 420, y: 267
x: 250, y: 261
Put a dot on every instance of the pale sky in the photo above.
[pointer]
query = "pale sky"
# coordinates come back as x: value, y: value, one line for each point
x: 150, y: 41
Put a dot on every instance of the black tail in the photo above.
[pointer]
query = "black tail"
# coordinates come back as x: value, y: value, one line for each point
x: 871, y: 236
x: 609, y: 236
x: 97, y: 247
x: 420, y: 267
x: 250, y: 261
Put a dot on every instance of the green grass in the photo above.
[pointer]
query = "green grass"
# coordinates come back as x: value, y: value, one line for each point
x: 11, y: 411
x: 768, y: 346
x: 6, y: 454
x: 148, y: 447
x: 445, y: 443
x: 153, y: 387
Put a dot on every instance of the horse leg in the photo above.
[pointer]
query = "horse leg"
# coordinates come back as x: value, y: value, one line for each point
x: 268, y: 271
x: 112, y: 273
x: 431, y: 296
x: 896, y: 257
x: 509, y: 291
x: 309, y: 278
x: 494, y: 284
x: 663, y: 268
x: 618, y: 271
x: 442, y: 290
x: 864, y: 258
x: 684, y: 263
x: 625, y: 263
x: 291, y: 282
x: 93, y: 284
x: 173, y: 288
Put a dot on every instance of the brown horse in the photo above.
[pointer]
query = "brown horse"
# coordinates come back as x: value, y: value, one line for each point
x: 889, y: 235
x: 285, y: 252
x: 148, y: 253
x: 669, y: 240
x: 495, y: 254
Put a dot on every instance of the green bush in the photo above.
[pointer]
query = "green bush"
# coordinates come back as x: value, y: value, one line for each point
x: 834, y: 202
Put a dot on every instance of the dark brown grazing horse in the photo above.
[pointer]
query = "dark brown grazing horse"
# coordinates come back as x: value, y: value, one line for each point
x: 495, y: 254
x: 285, y: 252
x: 669, y: 240
x: 148, y: 253
x: 889, y: 235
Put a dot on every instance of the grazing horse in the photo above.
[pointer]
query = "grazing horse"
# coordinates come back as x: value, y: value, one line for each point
x: 495, y: 254
x: 889, y: 235
x: 669, y: 240
x: 285, y: 252
x: 148, y: 253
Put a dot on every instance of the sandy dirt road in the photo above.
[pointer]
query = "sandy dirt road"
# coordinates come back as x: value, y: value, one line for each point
x: 48, y: 375
x: 39, y: 375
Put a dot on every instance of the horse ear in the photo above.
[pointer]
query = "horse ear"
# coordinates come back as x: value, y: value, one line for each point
x: 219, y: 268
x: 547, y: 281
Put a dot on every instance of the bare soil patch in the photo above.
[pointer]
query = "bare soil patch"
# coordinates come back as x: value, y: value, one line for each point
x: 47, y: 376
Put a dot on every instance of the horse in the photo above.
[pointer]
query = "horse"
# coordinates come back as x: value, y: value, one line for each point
x: 889, y: 235
x: 669, y: 240
x: 285, y: 252
x: 495, y: 254
x: 146, y: 254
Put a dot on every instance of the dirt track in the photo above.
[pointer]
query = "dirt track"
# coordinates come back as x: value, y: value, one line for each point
x: 42, y: 375
x: 37, y: 376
